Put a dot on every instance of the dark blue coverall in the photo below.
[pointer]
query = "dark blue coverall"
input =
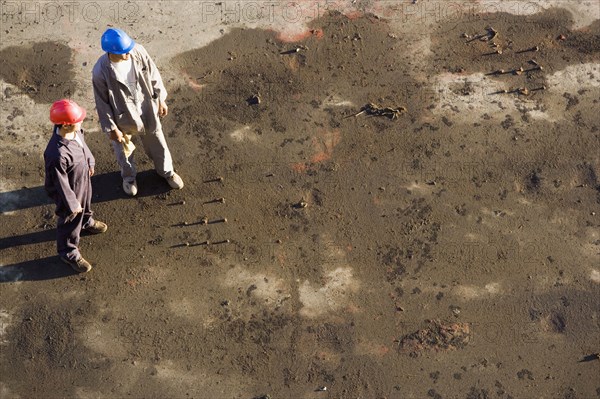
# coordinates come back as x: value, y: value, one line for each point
x: 69, y: 184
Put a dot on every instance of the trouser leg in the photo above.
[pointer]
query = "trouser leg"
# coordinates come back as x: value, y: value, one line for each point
x: 67, y: 240
x: 156, y: 148
x: 127, y: 165
x: 88, y: 219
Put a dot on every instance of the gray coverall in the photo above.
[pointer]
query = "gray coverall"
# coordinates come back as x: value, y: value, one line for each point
x: 117, y: 108
x: 68, y: 183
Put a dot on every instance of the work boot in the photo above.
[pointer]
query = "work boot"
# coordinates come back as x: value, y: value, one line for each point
x: 80, y: 265
x: 96, y: 228
x: 175, y: 181
x: 130, y: 188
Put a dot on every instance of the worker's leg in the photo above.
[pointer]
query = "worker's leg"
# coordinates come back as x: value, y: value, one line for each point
x: 88, y: 220
x: 156, y: 148
x: 127, y: 164
x: 67, y: 240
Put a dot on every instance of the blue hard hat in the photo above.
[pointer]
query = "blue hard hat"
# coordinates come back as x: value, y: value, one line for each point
x: 116, y: 41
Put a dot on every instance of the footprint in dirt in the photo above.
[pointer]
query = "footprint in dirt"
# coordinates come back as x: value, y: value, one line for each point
x: 43, y: 70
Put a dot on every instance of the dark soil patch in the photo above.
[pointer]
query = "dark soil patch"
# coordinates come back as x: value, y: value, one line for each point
x: 293, y: 86
x: 43, y: 71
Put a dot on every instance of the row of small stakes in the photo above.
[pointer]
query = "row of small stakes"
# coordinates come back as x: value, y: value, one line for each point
x: 492, y: 34
x: 205, y: 220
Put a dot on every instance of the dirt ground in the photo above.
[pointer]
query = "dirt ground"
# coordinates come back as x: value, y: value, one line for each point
x: 443, y: 245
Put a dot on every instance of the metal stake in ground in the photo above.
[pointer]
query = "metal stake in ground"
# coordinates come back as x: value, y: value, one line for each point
x: 216, y: 200
x: 215, y: 180
x: 533, y: 49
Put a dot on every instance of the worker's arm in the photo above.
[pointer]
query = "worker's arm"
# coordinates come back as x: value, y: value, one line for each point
x: 155, y: 81
x: 91, y: 161
x: 105, y: 111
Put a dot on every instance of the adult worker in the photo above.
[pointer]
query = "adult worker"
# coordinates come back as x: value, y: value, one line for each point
x: 69, y: 167
x: 130, y: 98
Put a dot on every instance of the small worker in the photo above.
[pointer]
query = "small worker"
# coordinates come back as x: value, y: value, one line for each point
x: 130, y: 100
x: 69, y: 168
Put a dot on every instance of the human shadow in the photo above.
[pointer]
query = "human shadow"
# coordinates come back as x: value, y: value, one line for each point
x: 105, y: 187
x: 29, y: 238
x: 35, y: 270
x: 109, y: 186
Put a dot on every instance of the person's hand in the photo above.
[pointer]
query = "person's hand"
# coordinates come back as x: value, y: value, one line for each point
x: 163, y: 110
x: 116, y: 135
x: 91, y: 171
x: 72, y: 216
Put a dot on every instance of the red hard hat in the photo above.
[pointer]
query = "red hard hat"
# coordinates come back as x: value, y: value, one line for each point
x: 66, y: 112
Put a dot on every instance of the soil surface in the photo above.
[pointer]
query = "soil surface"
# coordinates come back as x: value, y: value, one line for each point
x: 446, y: 248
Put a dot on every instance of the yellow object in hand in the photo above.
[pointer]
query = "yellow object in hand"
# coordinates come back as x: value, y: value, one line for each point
x: 128, y: 145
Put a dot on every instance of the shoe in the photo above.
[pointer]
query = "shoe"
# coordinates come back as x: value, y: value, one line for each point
x: 80, y: 265
x: 175, y: 181
x: 96, y: 228
x: 130, y: 188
